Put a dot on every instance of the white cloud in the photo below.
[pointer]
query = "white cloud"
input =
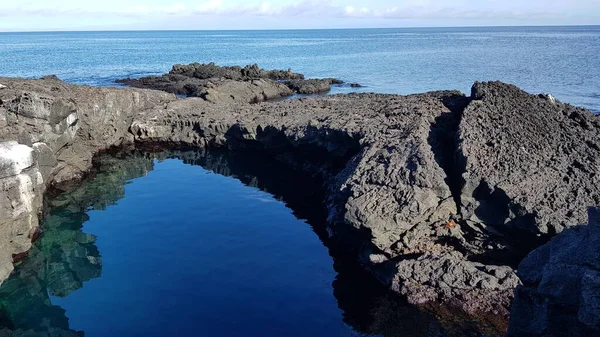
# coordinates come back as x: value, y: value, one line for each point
x: 178, y: 8
x: 211, y: 6
x: 408, y: 9
x: 217, y: 7
x: 359, y: 12
x: 265, y: 8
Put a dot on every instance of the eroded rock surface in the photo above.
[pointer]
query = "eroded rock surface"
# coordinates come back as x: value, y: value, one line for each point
x: 530, y: 163
x: 438, y: 195
x: 236, y: 73
x: 250, y: 84
x: 312, y: 86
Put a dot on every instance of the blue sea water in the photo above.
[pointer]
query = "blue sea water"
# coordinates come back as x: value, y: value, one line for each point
x: 563, y: 61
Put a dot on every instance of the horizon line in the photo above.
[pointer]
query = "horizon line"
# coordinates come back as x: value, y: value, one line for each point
x: 284, y: 29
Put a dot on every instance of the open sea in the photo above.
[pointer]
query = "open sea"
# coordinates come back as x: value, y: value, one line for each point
x: 563, y: 61
x: 231, y: 244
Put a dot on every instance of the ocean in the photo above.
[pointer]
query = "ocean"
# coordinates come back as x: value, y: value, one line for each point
x: 562, y: 61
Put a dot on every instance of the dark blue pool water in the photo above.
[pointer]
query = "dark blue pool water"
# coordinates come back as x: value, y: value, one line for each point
x: 189, y: 252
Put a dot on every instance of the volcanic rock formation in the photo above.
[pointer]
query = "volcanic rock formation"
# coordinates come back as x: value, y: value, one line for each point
x: 250, y: 84
x: 439, y: 195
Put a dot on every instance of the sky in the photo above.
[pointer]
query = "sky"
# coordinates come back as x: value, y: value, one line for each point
x: 48, y: 15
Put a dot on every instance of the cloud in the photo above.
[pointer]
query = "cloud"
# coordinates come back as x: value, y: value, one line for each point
x: 409, y: 9
x: 211, y: 6
x: 178, y: 8
x: 303, y: 8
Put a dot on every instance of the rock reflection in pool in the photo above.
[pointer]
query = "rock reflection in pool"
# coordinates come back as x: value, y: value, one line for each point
x: 191, y: 253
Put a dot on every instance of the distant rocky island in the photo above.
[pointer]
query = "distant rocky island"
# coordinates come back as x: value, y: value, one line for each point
x: 249, y: 84
x: 440, y: 195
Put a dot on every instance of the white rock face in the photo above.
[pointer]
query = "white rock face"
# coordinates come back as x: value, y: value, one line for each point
x: 72, y: 124
x: 2, y: 86
x: 3, y: 118
x: 21, y: 190
x: 14, y: 158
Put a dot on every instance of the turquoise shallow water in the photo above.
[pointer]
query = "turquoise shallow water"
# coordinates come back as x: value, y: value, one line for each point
x: 559, y: 60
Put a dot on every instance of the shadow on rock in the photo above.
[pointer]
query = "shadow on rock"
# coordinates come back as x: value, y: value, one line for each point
x: 561, y: 283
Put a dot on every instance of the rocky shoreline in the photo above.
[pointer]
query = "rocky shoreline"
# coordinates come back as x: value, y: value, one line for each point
x: 439, y: 195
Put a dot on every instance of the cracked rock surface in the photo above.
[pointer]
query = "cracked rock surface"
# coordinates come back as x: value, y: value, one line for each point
x: 530, y: 163
x: 439, y: 195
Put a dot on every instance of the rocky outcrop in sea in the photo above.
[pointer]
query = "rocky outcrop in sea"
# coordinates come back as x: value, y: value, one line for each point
x: 250, y: 84
x: 439, y: 195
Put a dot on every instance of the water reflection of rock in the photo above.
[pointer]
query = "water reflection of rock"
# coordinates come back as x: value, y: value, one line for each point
x: 65, y: 257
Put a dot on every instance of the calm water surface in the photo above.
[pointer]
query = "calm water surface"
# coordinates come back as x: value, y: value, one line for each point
x: 187, y: 252
x: 563, y: 61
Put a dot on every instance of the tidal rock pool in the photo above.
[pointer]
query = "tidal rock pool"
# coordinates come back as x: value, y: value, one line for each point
x: 199, y: 244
